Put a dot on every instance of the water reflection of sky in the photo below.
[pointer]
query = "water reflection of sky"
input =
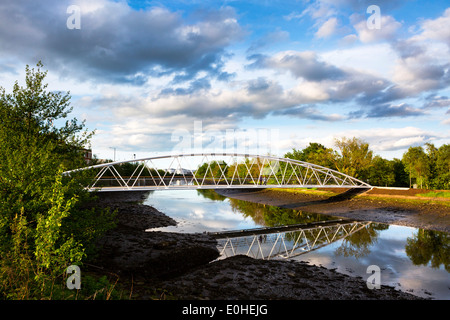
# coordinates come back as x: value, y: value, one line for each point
x: 397, y: 270
x: 196, y: 213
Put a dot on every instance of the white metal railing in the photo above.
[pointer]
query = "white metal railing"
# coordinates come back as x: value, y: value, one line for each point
x: 215, y: 171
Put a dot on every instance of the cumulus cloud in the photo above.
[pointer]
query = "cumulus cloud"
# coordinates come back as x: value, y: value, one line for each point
x: 186, y: 69
x: 381, y: 139
x: 304, y: 64
x: 436, y: 101
x: 421, y: 73
x: 320, y: 80
x: 328, y: 28
x: 390, y: 139
x: 423, y: 64
x: 117, y: 43
x: 387, y: 31
x: 401, y: 110
x: 309, y: 112
x: 436, y: 29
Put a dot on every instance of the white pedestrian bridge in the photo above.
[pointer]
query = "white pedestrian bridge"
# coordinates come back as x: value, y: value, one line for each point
x: 214, y: 171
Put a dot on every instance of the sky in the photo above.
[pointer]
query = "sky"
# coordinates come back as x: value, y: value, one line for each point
x: 167, y: 77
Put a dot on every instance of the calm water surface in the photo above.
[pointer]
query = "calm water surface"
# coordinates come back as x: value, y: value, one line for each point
x: 410, y: 259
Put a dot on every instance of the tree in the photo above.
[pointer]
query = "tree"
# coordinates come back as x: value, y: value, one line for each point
x: 401, y: 178
x: 31, y: 112
x: 212, y: 170
x: 381, y: 172
x: 417, y: 164
x: 355, y: 157
x: 314, y: 153
x: 442, y: 177
x: 296, y: 155
x: 431, y: 152
x: 43, y: 223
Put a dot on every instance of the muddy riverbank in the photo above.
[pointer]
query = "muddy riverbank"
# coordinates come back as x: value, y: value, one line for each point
x: 182, y: 266
x: 399, y: 207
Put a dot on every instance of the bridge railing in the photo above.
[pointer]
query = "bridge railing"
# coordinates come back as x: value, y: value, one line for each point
x: 294, y: 241
x: 215, y: 171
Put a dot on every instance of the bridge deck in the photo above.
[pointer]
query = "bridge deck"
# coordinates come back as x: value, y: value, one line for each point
x: 267, y: 230
x: 211, y: 187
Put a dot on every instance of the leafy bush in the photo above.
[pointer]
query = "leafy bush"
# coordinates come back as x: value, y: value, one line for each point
x: 44, y: 224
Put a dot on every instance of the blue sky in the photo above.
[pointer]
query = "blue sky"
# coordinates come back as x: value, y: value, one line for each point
x: 158, y: 77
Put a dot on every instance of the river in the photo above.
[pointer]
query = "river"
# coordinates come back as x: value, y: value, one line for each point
x: 412, y: 260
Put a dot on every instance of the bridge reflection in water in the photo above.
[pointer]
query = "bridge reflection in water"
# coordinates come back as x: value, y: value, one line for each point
x: 286, y: 241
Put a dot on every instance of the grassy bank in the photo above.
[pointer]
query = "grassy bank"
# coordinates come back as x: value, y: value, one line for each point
x: 435, y: 194
x: 419, y: 196
x: 312, y: 191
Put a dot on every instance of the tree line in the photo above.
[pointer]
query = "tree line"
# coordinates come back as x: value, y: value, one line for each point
x: 423, y: 166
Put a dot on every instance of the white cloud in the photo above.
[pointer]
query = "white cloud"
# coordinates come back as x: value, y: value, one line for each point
x: 390, y: 139
x: 117, y: 44
x: 384, y: 141
x: 377, y: 59
x: 387, y: 31
x: 163, y: 70
x: 328, y: 28
x: 436, y: 29
x: 424, y: 61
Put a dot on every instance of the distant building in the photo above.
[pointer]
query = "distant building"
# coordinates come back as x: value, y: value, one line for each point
x: 87, y: 154
x: 180, y: 171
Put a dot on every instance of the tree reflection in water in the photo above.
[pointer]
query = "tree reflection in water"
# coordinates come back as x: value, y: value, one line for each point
x: 429, y: 247
x: 271, y: 216
x: 425, y: 247
x: 358, y: 244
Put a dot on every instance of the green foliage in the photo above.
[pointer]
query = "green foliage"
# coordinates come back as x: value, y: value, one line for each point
x: 40, y: 210
x: 416, y: 163
x: 211, y: 194
x: 272, y: 216
x: 214, y: 169
x: 355, y: 157
x: 315, y: 153
x: 359, y: 244
x: 428, y: 168
x: 55, y: 250
x: 441, y: 179
x: 31, y: 113
x: 400, y: 175
x: 381, y: 173
x: 429, y: 246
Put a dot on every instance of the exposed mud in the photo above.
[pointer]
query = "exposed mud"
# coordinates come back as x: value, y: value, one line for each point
x: 183, y: 266
x: 130, y: 251
x: 376, y: 205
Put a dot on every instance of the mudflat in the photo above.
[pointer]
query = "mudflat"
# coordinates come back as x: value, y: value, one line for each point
x: 391, y: 206
x: 155, y: 265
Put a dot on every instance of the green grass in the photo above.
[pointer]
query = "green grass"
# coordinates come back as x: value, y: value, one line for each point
x: 435, y: 194
x: 315, y: 191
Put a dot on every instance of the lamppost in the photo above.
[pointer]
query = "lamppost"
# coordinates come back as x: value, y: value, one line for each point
x: 114, y: 152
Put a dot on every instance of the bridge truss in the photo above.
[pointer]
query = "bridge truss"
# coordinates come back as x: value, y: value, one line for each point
x: 214, y: 171
x: 283, y: 244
